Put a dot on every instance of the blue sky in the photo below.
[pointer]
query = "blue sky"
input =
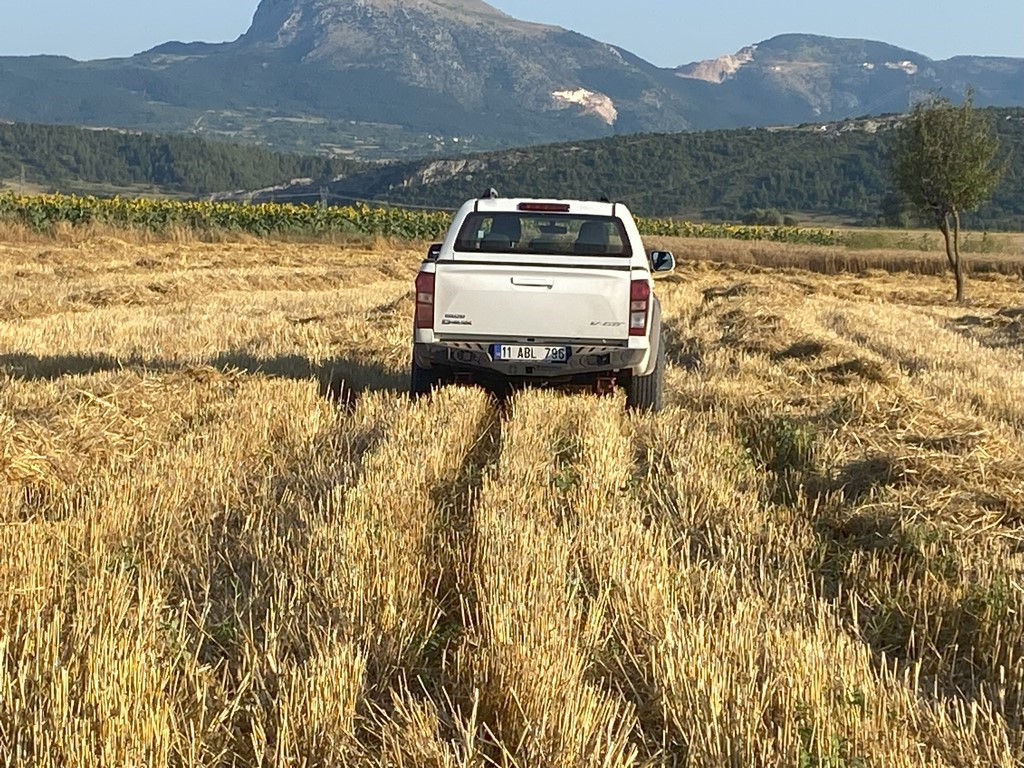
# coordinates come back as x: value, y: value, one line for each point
x: 665, y: 32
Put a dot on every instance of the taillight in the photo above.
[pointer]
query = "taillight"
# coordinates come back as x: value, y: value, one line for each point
x: 425, y: 300
x: 639, y: 302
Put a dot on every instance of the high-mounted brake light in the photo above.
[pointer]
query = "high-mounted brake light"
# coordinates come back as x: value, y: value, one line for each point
x: 545, y: 207
x: 639, y: 303
x: 425, y: 300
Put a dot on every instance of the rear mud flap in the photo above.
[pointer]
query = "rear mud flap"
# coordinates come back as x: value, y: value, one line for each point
x: 656, y: 340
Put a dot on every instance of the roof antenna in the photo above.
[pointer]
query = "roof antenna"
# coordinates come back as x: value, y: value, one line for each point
x: 604, y: 199
x: 490, y: 194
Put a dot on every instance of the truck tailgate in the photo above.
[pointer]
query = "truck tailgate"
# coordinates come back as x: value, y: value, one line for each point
x: 531, y: 302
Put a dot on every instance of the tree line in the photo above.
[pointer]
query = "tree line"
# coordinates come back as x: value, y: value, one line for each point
x: 58, y: 156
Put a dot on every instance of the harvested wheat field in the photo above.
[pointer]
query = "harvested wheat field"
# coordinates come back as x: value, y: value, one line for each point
x: 227, y: 538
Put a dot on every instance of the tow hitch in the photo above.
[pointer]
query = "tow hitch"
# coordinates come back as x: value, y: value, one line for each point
x: 605, y: 385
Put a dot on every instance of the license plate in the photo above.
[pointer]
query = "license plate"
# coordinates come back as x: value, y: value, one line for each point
x: 530, y: 354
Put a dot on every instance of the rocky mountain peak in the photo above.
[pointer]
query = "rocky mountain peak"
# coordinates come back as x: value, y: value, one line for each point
x: 464, y: 50
x: 283, y: 23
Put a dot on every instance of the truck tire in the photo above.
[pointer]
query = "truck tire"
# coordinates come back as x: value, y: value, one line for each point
x: 422, y: 381
x: 647, y: 393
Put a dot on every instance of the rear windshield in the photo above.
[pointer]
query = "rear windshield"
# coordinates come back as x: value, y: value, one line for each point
x: 558, y: 234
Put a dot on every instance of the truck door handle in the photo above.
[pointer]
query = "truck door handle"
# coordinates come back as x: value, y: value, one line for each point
x: 534, y: 282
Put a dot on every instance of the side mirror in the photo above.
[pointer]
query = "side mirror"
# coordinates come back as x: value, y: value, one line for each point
x: 434, y: 251
x: 662, y: 261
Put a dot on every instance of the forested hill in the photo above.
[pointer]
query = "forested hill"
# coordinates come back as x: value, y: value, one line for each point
x: 835, y: 170
x: 68, y: 158
x: 838, y: 171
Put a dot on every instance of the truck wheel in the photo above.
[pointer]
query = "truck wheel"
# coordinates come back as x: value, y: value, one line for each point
x: 422, y: 381
x: 647, y: 393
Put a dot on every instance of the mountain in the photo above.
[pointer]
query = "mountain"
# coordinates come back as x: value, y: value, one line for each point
x: 398, y: 78
x: 804, y: 78
x: 478, y: 66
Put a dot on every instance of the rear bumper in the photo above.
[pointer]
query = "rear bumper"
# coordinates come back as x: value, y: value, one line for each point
x: 473, y: 356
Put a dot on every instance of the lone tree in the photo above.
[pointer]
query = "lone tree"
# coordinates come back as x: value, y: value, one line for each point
x: 944, y: 162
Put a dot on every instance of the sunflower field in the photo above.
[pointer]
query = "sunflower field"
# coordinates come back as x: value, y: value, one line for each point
x: 42, y: 212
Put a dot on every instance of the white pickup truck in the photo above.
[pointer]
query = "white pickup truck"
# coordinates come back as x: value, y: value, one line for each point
x: 541, y: 292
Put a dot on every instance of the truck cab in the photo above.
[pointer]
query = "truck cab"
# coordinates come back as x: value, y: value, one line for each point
x: 541, y: 292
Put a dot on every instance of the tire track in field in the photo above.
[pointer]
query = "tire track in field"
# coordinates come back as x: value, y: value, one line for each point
x: 264, y: 615
x: 621, y: 560
x: 430, y: 717
x: 247, y: 576
x: 663, y: 537
x: 432, y: 721
x: 525, y: 650
x: 387, y: 519
x: 372, y: 566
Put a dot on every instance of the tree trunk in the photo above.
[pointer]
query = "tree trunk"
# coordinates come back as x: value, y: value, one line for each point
x: 952, y: 254
x: 958, y: 265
